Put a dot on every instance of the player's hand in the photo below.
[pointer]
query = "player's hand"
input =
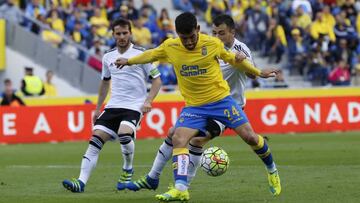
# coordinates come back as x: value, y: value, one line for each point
x: 96, y: 115
x: 146, y: 107
x: 239, y: 56
x: 269, y: 73
x: 121, y: 62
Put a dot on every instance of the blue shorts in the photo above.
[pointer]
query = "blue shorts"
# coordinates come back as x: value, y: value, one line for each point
x: 227, y: 111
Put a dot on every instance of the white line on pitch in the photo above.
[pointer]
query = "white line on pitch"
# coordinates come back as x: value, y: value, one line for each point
x: 70, y: 166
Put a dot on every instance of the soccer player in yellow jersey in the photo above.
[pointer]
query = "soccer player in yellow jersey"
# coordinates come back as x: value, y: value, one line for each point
x: 195, y: 59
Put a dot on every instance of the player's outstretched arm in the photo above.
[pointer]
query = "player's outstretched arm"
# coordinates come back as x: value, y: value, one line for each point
x: 147, y: 56
x: 269, y: 72
x: 247, y: 67
x: 251, y: 76
x: 240, y: 56
x: 244, y: 65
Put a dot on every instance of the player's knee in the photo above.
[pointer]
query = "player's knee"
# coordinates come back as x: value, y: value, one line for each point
x: 182, y: 137
x: 179, y: 141
x: 176, y: 139
x: 97, y: 142
x: 171, y: 132
x: 168, y: 141
x: 125, y: 138
x: 102, y: 135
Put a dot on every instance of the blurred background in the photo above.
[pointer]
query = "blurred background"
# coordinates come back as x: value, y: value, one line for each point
x: 314, y: 42
x: 50, y: 68
x: 51, y: 50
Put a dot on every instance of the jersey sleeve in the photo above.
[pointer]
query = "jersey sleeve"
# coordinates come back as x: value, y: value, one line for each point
x: 151, y: 55
x: 160, y: 53
x: 229, y: 57
x: 152, y: 70
x: 105, y: 72
x: 248, y: 54
x: 224, y: 54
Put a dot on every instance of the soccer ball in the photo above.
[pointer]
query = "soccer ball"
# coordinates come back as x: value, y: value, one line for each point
x: 214, y: 161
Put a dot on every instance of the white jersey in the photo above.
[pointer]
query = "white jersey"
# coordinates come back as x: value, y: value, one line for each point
x: 235, y: 78
x: 128, y: 85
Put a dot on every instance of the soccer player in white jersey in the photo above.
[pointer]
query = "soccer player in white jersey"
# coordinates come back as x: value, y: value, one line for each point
x: 224, y: 29
x: 122, y: 114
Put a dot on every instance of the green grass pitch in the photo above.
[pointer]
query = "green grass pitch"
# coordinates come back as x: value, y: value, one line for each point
x: 322, y: 167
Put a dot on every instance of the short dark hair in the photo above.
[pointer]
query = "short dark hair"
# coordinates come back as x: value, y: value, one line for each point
x: 185, y: 23
x: 224, y: 19
x: 7, y: 81
x: 28, y: 68
x: 122, y: 22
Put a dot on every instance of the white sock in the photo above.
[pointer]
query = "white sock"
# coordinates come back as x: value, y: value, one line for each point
x: 195, y: 158
x: 272, y: 169
x: 162, y: 157
x: 181, y: 186
x: 127, y: 149
x: 183, y: 162
x: 90, y: 158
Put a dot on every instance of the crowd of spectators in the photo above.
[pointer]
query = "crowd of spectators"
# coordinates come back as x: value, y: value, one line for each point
x: 318, y: 38
x: 31, y: 85
x: 9, y: 97
x: 87, y: 22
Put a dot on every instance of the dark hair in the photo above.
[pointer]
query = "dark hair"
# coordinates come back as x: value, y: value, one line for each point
x: 122, y: 22
x: 224, y: 19
x: 7, y: 81
x: 164, y: 10
x: 28, y: 68
x: 185, y: 23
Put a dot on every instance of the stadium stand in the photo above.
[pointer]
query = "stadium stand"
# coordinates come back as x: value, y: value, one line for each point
x: 308, y: 39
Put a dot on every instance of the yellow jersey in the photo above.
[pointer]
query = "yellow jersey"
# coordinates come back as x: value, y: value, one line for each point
x: 198, y: 71
x: 103, y: 23
x: 50, y: 89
